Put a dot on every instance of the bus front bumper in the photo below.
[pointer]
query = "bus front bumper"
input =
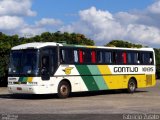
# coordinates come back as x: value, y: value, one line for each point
x: 28, y: 89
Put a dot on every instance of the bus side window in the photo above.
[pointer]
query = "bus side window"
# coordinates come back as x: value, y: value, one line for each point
x: 108, y: 57
x: 62, y: 56
x: 117, y: 57
x: 151, y: 59
x: 129, y: 58
x: 53, y: 60
x: 99, y: 57
x: 132, y: 58
x: 147, y: 58
x: 87, y: 56
x: 124, y: 56
x: 69, y: 55
x: 114, y: 57
x: 138, y: 56
x: 75, y: 52
x: 93, y: 56
x: 66, y: 55
x: 81, y: 57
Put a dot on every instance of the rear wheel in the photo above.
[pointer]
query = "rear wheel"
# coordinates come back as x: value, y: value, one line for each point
x: 64, y: 89
x: 132, y: 85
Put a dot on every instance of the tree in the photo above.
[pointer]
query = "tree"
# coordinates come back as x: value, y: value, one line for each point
x: 121, y: 43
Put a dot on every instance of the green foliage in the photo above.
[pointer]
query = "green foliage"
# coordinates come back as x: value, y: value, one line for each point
x: 73, y: 38
x: 157, y: 55
x: 121, y: 43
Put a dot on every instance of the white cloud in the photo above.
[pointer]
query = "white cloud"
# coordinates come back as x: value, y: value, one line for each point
x: 16, y: 8
x: 140, y: 26
x: 155, y: 7
x: 143, y: 34
x: 101, y: 16
x: 94, y: 21
x: 126, y: 18
x: 30, y: 31
x: 98, y: 25
x: 43, y: 25
x: 136, y: 26
x: 48, y: 22
x: 10, y: 22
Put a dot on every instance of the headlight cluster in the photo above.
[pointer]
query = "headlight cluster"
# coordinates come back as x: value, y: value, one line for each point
x: 10, y: 83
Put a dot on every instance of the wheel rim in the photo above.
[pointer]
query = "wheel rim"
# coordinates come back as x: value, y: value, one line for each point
x: 132, y: 86
x: 64, y: 90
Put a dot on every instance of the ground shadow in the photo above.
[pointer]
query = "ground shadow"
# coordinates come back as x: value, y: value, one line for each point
x: 28, y: 96
x: 54, y: 96
x: 103, y: 92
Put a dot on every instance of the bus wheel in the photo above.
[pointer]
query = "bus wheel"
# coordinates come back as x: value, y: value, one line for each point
x: 132, y: 86
x: 64, y: 89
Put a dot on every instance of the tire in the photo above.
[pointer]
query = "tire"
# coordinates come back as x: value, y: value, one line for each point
x: 132, y: 85
x: 64, y: 89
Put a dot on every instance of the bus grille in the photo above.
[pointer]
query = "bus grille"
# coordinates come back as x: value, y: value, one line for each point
x: 148, y: 80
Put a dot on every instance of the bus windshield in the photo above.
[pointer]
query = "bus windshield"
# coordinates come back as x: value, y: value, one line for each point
x: 23, y: 62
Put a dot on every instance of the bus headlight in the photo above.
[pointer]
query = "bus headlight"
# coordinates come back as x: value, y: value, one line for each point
x: 10, y: 83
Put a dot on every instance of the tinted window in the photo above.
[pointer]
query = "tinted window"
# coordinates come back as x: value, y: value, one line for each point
x: 132, y: 58
x: 24, y: 62
x: 93, y: 56
x: 124, y: 57
x: 81, y: 56
x: 147, y: 58
x: 75, y: 52
x: 107, y: 57
x: 87, y: 56
x: 67, y: 55
x: 117, y: 57
x: 49, y: 59
x: 99, y: 57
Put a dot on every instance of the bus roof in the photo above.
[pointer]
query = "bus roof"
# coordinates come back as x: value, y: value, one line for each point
x: 37, y: 45
x: 104, y: 47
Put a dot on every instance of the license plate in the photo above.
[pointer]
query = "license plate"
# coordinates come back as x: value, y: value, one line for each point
x: 19, y: 88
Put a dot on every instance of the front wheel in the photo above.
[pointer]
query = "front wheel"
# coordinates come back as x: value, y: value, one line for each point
x: 63, y: 89
x: 132, y: 86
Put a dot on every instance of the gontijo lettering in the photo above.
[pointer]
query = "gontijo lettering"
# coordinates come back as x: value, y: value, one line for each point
x: 125, y: 69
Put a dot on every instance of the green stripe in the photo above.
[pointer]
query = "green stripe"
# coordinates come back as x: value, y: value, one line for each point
x: 98, y: 79
x: 23, y: 79
x: 87, y: 77
x: 20, y: 79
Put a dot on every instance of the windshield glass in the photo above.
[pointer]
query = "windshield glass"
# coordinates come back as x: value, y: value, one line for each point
x: 23, y: 62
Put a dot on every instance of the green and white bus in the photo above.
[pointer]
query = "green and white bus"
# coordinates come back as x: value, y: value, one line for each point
x: 47, y: 68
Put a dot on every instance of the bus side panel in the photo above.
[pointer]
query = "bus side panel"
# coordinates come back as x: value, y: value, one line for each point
x: 69, y: 72
x: 101, y: 77
x: 113, y: 82
x: 147, y: 80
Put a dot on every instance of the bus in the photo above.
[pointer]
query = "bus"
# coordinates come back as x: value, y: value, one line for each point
x: 54, y: 68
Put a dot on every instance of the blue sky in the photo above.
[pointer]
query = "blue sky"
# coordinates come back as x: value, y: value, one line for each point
x: 66, y: 10
x: 136, y: 21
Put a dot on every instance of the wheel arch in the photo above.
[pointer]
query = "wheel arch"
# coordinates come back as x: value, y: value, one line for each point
x: 133, y: 78
x: 66, y: 80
